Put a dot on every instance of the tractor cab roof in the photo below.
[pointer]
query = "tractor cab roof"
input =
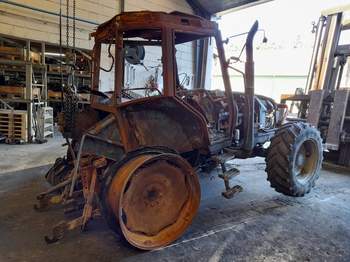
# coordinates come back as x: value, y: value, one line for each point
x: 148, y: 25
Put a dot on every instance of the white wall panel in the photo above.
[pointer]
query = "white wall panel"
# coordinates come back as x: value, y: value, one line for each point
x: 158, y: 5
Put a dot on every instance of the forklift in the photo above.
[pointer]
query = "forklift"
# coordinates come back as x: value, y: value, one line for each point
x: 325, y: 102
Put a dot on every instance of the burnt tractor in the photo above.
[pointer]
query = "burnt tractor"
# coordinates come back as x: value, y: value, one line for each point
x: 135, y: 153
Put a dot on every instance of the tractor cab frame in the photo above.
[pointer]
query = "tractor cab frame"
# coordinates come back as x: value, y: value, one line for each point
x: 166, y: 31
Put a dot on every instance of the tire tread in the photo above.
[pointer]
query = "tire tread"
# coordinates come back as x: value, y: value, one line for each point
x: 279, y: 160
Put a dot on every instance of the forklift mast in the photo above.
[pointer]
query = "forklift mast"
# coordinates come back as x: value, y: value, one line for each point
x: 325, y: 103
x: 326, y: 74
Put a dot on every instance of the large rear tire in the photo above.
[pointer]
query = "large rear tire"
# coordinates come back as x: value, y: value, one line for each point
x: 294, y: 159
x: 153, y: 198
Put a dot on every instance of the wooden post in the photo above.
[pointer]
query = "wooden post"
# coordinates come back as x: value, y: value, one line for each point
x: 44, y: 74
x: 29, y: 91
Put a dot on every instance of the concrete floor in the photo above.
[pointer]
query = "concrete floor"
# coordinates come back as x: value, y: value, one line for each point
x: 257, y: 225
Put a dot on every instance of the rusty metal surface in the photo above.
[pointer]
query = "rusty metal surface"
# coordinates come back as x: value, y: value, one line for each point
x: 155, y: 198
x: 163, y: 121
x: 249, y: 91
x: 142, y: 127
x: 103, y: 139
x: 90, y: 168
x: 136, y: 21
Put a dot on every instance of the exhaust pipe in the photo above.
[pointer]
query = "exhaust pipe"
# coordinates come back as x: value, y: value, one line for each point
x: 249, y: 90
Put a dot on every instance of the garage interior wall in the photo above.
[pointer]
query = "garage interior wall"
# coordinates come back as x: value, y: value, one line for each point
x: 24, y: 23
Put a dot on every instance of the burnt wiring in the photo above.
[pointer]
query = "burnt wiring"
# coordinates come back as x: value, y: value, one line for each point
x: 185, y: 80
x: 111, y: 56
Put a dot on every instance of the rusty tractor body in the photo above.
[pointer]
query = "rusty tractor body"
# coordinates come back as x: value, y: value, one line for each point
x: 134, y: 154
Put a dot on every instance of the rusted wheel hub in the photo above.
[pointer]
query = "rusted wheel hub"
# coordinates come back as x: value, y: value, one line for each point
x: 155, y: 198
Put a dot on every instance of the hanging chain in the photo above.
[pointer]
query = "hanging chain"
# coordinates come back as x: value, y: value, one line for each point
x: 74, y: 5
x: 67, y: 23
x: 70, y: 105
x: 70, y: 110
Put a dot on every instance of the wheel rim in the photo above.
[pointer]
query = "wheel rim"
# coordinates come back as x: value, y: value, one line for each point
x: 306, y: 160
x: 154, y: 198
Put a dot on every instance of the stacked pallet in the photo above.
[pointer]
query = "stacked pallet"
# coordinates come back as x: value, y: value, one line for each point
x: 57, y: 68
x: 12, y: 53
x: 13, y: 125
x: 17, y: 92
x: 56, y: 95
x: 19, y: 54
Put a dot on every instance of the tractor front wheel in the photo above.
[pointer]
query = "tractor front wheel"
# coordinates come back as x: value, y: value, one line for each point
x: 294, y: 159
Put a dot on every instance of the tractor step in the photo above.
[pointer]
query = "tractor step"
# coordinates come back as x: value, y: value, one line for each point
x: 229, y: 193
x: 224, y: 157
x: 229, y: 174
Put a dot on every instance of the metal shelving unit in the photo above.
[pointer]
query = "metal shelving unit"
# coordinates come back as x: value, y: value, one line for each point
x: 31, y: 69
x: 37, y: 83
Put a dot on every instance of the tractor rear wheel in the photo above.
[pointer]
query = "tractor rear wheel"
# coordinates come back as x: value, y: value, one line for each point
x: 294, y: 159
x: 154, y: 198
